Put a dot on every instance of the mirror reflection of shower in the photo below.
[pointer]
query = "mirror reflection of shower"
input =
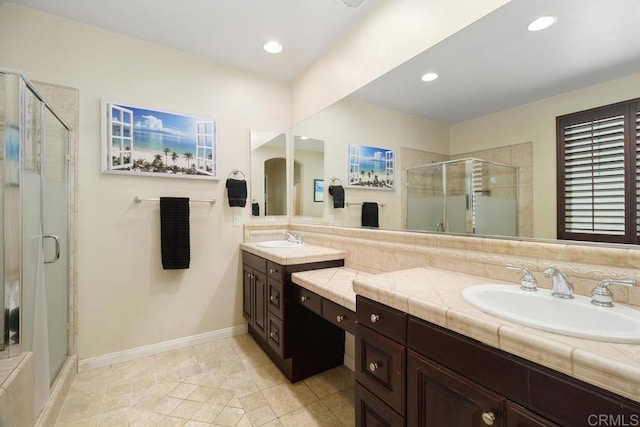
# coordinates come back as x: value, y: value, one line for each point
x: 463, y: 196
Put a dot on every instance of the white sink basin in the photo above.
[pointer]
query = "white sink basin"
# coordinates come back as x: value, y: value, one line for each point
x: 573, y: 317
x: 279, y: 244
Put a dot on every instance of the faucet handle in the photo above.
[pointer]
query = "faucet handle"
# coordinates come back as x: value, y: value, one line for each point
x: 528, y: 282
x: 602, y: 295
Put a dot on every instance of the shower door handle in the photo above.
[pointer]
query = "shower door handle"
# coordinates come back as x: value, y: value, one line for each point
x: 56, y: 239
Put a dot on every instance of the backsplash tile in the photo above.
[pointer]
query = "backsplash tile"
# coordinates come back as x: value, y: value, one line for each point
x: 377, y: 251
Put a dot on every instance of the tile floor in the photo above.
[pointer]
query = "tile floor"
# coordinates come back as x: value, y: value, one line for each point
x: 231, y: 382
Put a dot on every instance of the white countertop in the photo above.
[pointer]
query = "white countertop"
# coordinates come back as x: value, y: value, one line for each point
x: 335, y: 284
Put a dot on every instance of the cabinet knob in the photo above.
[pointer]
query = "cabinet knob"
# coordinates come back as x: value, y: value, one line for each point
x: 339, y: 318
x: 373, y: 366
x: 374, y: 318
x: 273, y: 334
x: 273, y: 270
x: 304, y: 298
x: 274, y: 298
x: 488, y: 418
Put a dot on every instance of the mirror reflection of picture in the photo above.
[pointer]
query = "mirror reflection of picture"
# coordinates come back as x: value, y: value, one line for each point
x: 371, y: 167
x: 318, y: 190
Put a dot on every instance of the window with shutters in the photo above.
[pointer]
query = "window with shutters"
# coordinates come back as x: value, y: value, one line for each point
x: 599, y: 174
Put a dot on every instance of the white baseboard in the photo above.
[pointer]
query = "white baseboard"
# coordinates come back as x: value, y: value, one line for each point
x: 350, y: 363
x: 150, y: 350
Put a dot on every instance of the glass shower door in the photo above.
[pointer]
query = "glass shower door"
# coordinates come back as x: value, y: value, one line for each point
x: 55, y: 240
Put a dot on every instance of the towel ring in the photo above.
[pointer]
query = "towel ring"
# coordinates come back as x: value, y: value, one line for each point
x: 336, y: 179
x: 235, y: 172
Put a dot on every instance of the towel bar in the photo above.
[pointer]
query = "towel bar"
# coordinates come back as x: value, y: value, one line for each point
x: 360, y: 204
x: 138, y: 199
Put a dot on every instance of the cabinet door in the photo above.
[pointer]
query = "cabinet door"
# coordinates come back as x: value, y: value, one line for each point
x: 247, y: 293
x: 439, y: 397
x: 517, y: 416
x: 260, y: 303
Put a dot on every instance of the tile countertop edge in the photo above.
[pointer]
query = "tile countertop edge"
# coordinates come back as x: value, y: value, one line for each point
x: 298, y: 255
x: 450, y: 311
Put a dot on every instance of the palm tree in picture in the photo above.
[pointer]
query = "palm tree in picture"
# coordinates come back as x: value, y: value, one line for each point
x: 174, y: 157
x: 188, y: 156
x: 157, y: 161
x: 166, y: 152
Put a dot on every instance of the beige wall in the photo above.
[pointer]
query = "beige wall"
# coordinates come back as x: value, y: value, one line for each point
x: 535, y: 122
x: 125, y: 298
x: 355, y: 122
x: 395, y: 31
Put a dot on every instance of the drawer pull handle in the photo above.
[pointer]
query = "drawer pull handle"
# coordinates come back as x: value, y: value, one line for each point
x: 488, y: 418
x: 374, y: 318
x: 339, y: 318
x: 273, y: 270
x: 373, y: 366
x: 304, y: 298
x: 274, y: 298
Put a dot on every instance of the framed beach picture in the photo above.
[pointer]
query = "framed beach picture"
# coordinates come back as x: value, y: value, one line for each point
x: 371, y: 167
x: 318, y: 190
x: 141, y: 141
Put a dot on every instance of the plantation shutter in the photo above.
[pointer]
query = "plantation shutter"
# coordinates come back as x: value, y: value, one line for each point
x: 599, y: 174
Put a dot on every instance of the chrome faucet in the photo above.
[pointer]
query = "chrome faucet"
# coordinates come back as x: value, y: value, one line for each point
x: 293, y: 238
x: 562, y: 287
x: 602, y: 295
x: 528, y: 282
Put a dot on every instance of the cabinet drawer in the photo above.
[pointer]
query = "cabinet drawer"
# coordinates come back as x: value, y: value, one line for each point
x: 380, y: 366
x: 340, y: 316
x: 371, y: 411
x: 275, y: 271
x: 275, y: 333
x: 308, y: 299
x: 385, y: 320
x: 275, y: 297
x: 254, y: 261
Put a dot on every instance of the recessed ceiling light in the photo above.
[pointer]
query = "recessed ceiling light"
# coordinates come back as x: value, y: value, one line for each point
x: 429, y: 77
x: 304, y: 137
x: 541, y: 23
x: 272, y: 46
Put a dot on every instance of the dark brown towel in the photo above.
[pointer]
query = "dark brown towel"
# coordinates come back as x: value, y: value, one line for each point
x: 175, y: 241
x: 237, y: 192
x: 370, y: 214
x: 337, y: 192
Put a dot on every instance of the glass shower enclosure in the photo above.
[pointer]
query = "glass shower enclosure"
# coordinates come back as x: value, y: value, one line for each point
x: 469, y: 195
x: 34, y: 222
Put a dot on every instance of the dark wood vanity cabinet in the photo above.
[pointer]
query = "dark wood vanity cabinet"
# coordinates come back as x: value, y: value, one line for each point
x: 299, y: 343
x: 448, y: 379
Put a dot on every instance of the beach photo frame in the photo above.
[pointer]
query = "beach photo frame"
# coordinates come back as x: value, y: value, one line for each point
x: 370, y: 167
x: 148, y: 142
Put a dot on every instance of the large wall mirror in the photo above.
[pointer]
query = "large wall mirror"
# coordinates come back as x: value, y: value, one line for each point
x: 268, y: 173
x: 499, y: 91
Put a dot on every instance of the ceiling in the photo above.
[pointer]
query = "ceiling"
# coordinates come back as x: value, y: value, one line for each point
x: 230, y: 32
x: 495, y: 63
